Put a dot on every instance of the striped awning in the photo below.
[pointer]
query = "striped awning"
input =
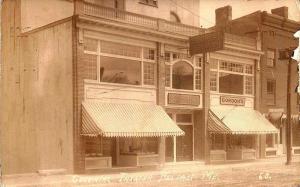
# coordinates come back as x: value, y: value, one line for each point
x: 126, y: 120
x: 238, y: 120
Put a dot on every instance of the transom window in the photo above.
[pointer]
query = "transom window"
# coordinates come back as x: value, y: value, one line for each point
x: 113, y: 62
x: 231, y: 77
x: 182, y: 73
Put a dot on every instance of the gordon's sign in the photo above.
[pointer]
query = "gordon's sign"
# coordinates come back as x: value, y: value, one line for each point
x: 227, y: 100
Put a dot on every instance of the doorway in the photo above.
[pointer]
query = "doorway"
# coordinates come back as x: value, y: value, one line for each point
x: 181, y: 148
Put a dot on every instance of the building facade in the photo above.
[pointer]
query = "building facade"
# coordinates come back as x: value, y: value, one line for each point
x: 119, y: 83
x: 64, y: 53
x: 275, y: 32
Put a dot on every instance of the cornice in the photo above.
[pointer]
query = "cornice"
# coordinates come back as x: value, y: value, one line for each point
x: 279, y: 22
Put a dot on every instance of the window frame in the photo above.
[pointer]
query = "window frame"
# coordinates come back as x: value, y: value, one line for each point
x: 153, y: 3
x: 244, y: 73
x: 141, y: 59
x: 268, y: 93
x: 273, y: 60
x: 170, y: 61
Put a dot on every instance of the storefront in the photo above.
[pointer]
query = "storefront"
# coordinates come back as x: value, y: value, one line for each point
x: 295, y: 128
x: 183, y: 103
x: 234, y: 132
x: 276, y: 143
x: 125, y: 135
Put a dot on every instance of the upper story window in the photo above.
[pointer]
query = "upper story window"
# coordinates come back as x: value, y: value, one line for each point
x: 174, y: 17
x: 270, y: 58
x: 182, y: 73
x: 182, y: 76
x: 119, y: 63
x: 271, y: 92
x: 231, y: 77
x: 149, y: 2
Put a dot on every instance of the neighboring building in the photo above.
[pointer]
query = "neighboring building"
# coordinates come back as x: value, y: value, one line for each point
x: 245, y: 7
x: 98, y: 88
x: 275, y: 32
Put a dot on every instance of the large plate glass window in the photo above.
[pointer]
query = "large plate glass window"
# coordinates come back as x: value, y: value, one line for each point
x: 113, y: 62
x: 118, y: 70
x: 231, y: 77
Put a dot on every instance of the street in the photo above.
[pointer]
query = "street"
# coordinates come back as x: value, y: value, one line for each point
x: 272, y: 172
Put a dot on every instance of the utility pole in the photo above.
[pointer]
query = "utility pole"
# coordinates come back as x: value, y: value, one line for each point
x: 284, y: 55
x: 288, y: 113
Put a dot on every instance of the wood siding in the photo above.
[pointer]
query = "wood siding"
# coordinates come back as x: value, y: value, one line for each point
x: 37, y: 118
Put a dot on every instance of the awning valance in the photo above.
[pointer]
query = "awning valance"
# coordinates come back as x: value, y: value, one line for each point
x: 126, y: 120
x: 238, y: 120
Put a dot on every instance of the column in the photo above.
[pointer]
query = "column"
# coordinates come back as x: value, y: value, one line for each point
x: 174, y: 149
x: 206, y: 106
x: 198, y: 143
x: 256, y: 143
x: 262, y: 149
x: 117, y: 151
x: 162, y: 150
x: 161, y: 95
x: 224, y: 141
x: 78, y: 7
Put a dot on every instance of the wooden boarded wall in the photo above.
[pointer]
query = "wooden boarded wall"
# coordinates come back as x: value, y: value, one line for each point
x: 37, y: 117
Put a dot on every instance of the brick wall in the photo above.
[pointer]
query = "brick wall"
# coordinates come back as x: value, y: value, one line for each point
x: 278, y: 72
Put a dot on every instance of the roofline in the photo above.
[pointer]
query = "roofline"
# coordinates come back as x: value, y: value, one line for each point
x: 50, y: 25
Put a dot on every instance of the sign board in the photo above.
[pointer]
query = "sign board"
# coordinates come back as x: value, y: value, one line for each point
x: 183, y: 99
x: 208, y: 42
x: 228, y: 100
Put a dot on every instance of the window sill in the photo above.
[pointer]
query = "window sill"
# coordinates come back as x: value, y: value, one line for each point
x: 227, y: 94
x: 88, y: 81
x: 182, y: 90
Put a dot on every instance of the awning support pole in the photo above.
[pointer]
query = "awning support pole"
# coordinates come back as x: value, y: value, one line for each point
x: 162, y: 150
x: 174, y: 149
x: 117, y: 151
x: 225, y: 143
x: 256, y: 146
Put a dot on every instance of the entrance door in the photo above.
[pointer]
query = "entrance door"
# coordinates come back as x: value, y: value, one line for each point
x: 181, y: 148
x: 184, y: 144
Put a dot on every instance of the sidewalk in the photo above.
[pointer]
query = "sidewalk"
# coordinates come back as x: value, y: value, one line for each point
x: 185, y: 173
